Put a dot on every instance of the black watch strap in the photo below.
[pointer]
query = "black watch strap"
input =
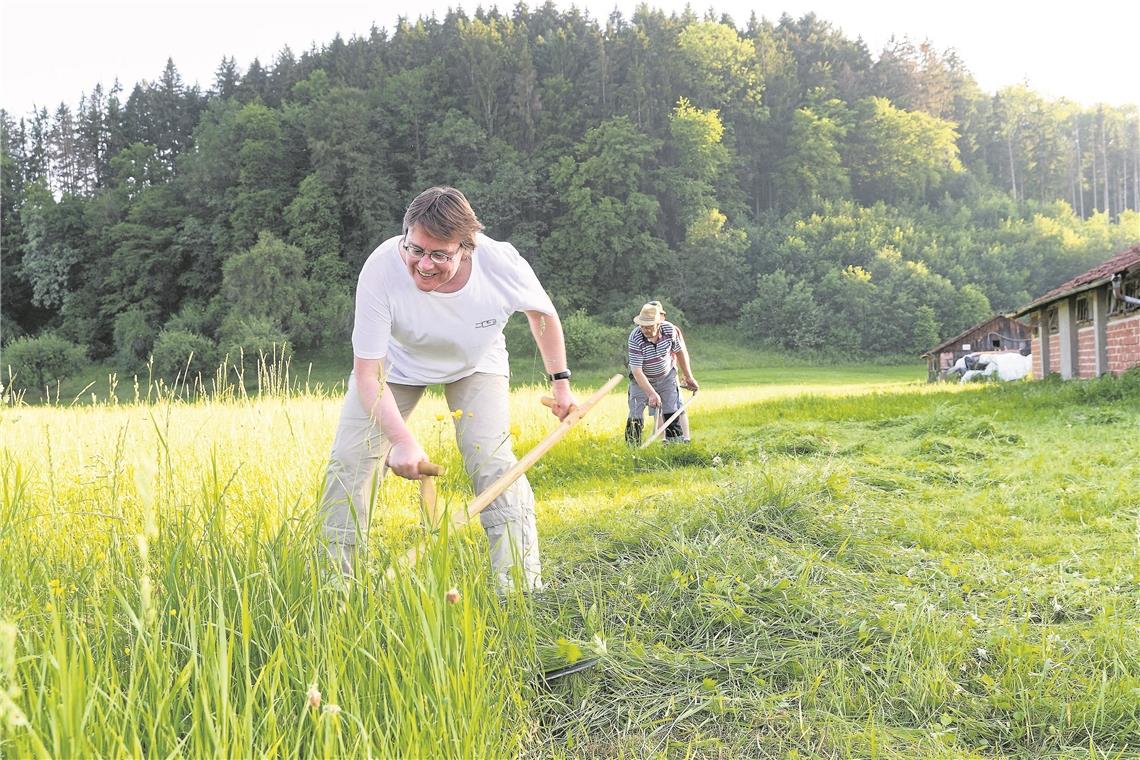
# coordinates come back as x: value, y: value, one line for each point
x: 563, y: 375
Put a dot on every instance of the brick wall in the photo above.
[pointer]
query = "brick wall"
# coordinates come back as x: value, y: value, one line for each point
x: 1123, y: 343
x: 1035, y: 359
x: 1123, y: 348
x: 1086, y: 351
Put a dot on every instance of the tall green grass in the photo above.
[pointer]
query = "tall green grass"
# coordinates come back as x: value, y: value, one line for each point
x: 155, y: 608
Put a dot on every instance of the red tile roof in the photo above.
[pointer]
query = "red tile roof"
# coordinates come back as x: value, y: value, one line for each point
x: 1098, y: 275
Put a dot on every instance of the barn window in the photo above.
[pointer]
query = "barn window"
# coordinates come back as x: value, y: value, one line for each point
x: 1052, y: 321
x: 1130, y: 287
x: 1084, y: 312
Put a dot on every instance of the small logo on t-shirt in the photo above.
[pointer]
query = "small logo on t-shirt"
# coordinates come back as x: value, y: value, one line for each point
x: 486, y: 323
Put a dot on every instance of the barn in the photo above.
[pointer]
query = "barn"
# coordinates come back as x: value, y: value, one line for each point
x: 1090, y: 325
x: 998, y: 333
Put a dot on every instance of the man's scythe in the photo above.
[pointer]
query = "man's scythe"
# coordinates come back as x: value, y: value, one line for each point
x: 665, y: 425
x: 484, y: 499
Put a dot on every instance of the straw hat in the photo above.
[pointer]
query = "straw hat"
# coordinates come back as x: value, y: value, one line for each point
x: 651, y: 314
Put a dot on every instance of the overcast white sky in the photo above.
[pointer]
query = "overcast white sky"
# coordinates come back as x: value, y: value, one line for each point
x: 54, y: 50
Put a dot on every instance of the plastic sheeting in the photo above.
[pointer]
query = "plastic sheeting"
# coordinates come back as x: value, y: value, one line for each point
x: 1006, y: 365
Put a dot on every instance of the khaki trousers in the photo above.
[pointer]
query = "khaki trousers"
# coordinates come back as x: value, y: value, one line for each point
x: 482, y: 432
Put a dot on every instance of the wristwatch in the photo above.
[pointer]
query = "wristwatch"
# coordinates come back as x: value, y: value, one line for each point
x: 563, y: 375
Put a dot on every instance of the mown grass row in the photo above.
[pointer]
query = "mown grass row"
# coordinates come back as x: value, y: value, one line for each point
x: 898, y: 576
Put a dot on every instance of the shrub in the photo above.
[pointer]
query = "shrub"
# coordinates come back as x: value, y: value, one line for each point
x: 181, y: 353
x: 10, y: 329
x: 519, y: 341
x: 268, y: 280
x: 245, y: 340
x: 327, y: 317
x: 192, y: 317
x: 591, y: 343
x: 134, y: 339
x: 37, y: 362
x: 784, y: 313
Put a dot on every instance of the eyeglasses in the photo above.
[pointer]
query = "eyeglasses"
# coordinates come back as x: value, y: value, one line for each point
x: 438, y: 257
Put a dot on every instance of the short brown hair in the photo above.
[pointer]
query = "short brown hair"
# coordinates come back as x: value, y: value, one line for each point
x: 444, y: 213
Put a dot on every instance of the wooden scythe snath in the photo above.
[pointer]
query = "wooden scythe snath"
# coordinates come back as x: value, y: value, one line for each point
x: 664, y: 426
x: 427, y: 492
x: 496, y: 489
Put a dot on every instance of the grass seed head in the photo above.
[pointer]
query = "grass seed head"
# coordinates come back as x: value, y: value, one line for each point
x: 453, y: 596
x: 313, y: 697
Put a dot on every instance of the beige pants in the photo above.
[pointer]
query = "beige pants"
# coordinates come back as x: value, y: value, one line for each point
x: 483, y: 433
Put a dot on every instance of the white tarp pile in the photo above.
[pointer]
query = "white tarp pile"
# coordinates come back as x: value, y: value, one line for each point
x: 1005, y: 365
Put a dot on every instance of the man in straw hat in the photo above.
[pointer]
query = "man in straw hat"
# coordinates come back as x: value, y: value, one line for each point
x: 656, y: 350
x: 431, y: 305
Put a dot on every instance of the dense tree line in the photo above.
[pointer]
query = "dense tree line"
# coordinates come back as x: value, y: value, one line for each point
x: 774, y: 176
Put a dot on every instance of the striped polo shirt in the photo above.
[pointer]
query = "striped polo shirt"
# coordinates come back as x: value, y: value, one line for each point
x: 655, y: 359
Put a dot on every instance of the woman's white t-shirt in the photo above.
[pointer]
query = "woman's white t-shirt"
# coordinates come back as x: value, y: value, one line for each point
x: 429, y: 338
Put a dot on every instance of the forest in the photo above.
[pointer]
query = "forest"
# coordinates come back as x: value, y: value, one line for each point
x: 774, y: 177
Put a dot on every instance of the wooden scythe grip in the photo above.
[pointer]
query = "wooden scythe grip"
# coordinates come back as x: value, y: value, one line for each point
x: 548, y: 401
x: 430, y: 469
x: 427, y: 492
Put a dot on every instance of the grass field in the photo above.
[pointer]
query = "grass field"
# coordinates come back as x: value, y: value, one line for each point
x: 845, y: 563
x: 717, y: 359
